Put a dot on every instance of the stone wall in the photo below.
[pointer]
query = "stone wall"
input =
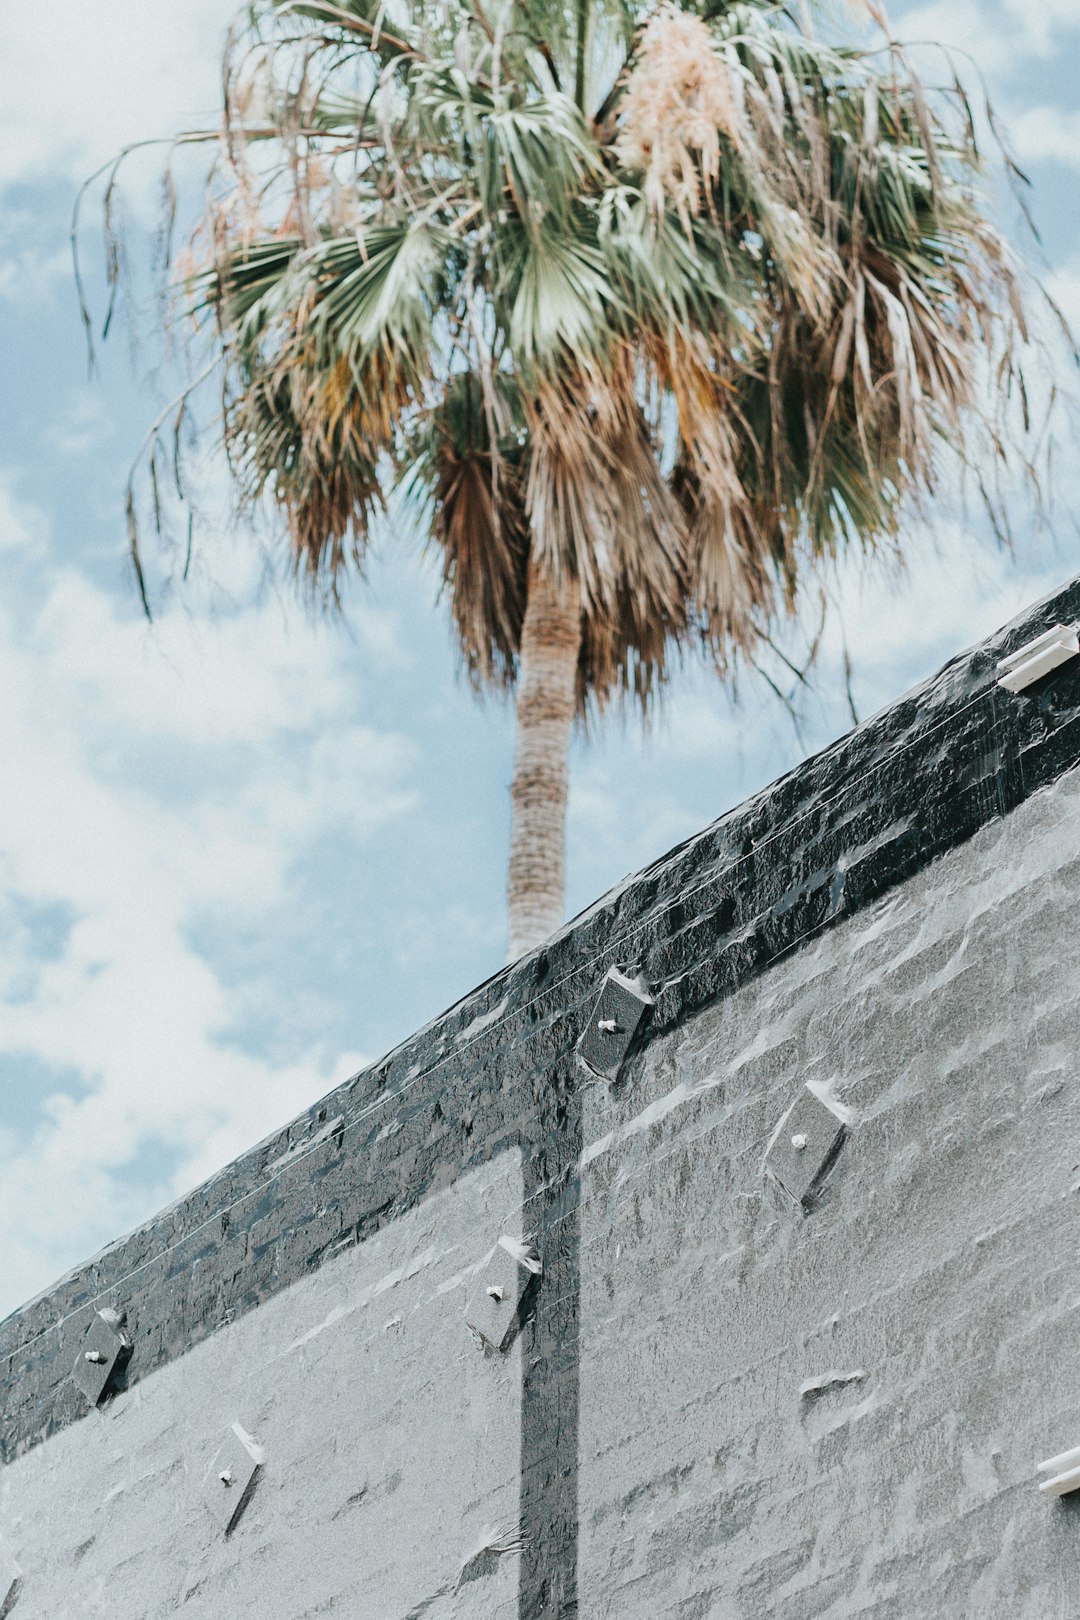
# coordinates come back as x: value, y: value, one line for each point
x: 722, y: 1403
x: 842, y: 1414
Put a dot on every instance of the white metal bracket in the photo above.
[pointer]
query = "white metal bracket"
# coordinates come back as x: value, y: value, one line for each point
x: 1029, y: 664
x: 1064, y: 1472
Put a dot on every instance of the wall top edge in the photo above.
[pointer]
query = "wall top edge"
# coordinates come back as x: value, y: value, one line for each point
x: 810, y: 849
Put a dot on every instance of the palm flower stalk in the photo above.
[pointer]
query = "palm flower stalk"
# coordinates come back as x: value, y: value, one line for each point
x: 647, y: 311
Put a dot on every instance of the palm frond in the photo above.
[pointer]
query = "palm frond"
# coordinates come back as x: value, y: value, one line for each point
x: 478, y: 523
x: 681, y: 353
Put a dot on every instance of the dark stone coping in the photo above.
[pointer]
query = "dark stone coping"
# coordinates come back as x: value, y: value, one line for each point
x: 497, y: 1069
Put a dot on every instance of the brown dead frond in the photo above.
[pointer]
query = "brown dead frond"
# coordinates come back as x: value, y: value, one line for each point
x: 481, y: 529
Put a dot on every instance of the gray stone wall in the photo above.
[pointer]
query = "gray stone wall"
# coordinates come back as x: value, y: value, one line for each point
x: 391, y: 1451
x: 720, y: 1404
x: 840, y: 1413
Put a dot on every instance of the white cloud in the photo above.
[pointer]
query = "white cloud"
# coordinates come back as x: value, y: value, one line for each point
x: 996, y: 39
x: 154, y: 779
x: 1047, y: 134
x: 30, y: 274
x: 82, y: 425
x: 22, y: 527
x: 102, y: 75
x: 1042, y: 24
x: 1063, y: 285
x: 956, y: 25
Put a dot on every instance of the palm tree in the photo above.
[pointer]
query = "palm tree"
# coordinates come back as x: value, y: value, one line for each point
x: 647, y: 310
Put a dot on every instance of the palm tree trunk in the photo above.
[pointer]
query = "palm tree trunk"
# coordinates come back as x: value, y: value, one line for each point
x: 546, y: 701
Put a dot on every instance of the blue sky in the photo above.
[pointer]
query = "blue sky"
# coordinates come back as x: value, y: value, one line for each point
x: 246, y: 850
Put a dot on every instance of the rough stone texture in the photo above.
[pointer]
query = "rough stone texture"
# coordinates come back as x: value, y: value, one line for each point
x: 726, y: 932
x: 841, y: 1414
x: 389, y: 1485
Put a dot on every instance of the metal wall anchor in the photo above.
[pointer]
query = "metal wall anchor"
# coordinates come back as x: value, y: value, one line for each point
x: 235, y: 1466
x: 621, y: 1006
x: 805, y: 1145
x: 106, y: 1350
x: 499, y: 1304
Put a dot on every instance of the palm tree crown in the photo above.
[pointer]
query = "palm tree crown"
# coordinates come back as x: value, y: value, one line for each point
x: 650, y: 307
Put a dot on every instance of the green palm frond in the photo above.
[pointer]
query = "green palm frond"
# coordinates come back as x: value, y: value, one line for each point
x: 562, y: 305
x: 373, y: 293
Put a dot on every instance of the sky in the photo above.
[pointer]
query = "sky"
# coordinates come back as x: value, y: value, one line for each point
x: 246, y: 849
